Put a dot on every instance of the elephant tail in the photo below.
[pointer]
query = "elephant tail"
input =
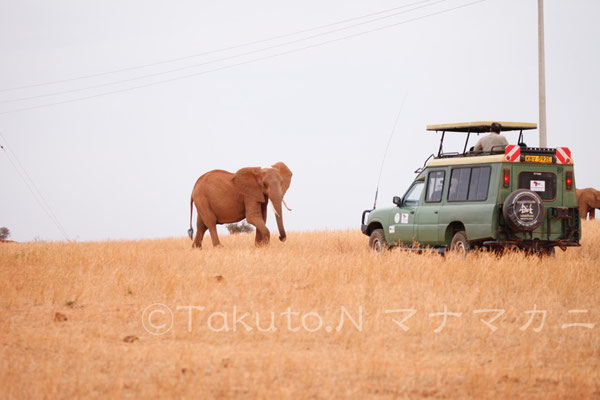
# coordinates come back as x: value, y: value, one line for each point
x: 191, y: 230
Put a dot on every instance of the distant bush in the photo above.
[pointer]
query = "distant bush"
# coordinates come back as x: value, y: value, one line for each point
x: 4, y: 233
x: 242, y: 227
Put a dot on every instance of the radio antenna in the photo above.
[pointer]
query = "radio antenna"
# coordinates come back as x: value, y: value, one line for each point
x: 386, y: 150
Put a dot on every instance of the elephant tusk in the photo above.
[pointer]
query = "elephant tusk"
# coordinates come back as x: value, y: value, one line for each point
x: 286, y: 206
x: 274, y: 210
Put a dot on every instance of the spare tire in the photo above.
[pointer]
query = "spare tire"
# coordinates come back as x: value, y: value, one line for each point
x: 523, y: 210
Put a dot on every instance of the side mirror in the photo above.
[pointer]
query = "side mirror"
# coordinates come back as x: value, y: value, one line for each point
x: 397, y: 200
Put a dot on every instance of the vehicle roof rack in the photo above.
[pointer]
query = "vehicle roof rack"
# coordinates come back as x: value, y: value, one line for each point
x: 477, y: 127
x: 481, y: 126
x: 421, y: 169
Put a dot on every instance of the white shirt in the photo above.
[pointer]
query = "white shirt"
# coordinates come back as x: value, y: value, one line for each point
x: 487, y: 142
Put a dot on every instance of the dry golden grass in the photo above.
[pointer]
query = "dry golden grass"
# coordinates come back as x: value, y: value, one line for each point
x: 71, y: 321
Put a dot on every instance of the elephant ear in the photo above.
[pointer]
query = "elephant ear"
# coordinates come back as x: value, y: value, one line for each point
x: 248, y: 182
x: 286, y: 175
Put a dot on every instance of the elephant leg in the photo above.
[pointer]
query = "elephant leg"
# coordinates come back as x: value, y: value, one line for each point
x: 263, y: 210
x: 200, y: 230
x: 213, y: 235
x: 210, y: 221
x: 254, y: 217
x: 583, y: 212
x: 259, y: 236
x: 592, y: 213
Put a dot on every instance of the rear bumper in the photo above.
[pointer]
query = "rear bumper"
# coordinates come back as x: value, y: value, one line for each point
x: 568, y: 235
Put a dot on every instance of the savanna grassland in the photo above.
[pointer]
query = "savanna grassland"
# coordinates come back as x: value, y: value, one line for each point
x: 75, y: 322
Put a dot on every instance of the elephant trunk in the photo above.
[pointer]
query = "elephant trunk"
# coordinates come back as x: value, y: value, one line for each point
x: 276, y: 200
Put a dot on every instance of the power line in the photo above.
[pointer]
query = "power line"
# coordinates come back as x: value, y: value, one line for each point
x: 242, y: 63
x: 208, y: 52
x: 223, y: 58
x: 33, y: 187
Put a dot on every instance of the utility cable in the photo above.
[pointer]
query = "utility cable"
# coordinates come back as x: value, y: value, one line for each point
x: 171, y: 60
x: 39, y: 198
x: 247, y: 53
x: 242, y: 63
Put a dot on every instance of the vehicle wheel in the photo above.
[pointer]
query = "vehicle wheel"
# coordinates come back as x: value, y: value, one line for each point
x: 460, y: 243
x: 377, y: 241
x: 523, y: 210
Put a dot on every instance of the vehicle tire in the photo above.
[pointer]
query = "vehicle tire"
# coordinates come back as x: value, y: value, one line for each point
x: 523, y: 210
x: 460, y: 243
x: 377, y: 241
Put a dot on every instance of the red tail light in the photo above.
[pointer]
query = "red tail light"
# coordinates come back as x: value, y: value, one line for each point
x: 506, y: 177
x: 569, y: 180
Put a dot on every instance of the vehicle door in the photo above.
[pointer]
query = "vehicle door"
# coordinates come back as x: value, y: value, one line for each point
x: 427, y: 214
x: 402, y: 222
x: 467, y: 201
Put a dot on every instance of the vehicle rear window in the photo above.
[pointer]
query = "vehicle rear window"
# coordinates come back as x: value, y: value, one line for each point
x: 543, y: 183
x: 469, y: 184
x: 435, y: 186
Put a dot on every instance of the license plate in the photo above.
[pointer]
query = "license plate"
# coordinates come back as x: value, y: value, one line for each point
x: 539, y: 159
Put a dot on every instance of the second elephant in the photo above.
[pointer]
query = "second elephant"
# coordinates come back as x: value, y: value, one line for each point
x: 589, y: 200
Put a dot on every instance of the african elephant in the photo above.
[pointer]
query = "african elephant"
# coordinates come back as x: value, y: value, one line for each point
x: 589, y: 200
x: 222, y: 197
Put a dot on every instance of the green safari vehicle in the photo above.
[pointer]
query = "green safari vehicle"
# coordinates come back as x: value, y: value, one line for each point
x: 512, y: 196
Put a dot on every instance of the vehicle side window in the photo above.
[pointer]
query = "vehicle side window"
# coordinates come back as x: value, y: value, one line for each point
x: 414, y: 194
x: 459, y: 184
x: 543, y: 183
x: 470, y: 184
x: 435, y: 186
x: 480, y: 182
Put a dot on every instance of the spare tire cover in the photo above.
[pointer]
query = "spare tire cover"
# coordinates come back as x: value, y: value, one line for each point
x: 523, y: 210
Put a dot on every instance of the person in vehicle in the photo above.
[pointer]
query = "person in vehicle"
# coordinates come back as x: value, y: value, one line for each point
x: 494, y: 138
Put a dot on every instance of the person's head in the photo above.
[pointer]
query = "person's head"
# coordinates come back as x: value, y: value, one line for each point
x: 496, y: 127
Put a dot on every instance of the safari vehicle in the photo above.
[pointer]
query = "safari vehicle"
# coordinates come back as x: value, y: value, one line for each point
x: 512, y: 196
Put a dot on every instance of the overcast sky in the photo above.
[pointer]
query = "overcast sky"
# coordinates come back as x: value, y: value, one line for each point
x: 122, y: 165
